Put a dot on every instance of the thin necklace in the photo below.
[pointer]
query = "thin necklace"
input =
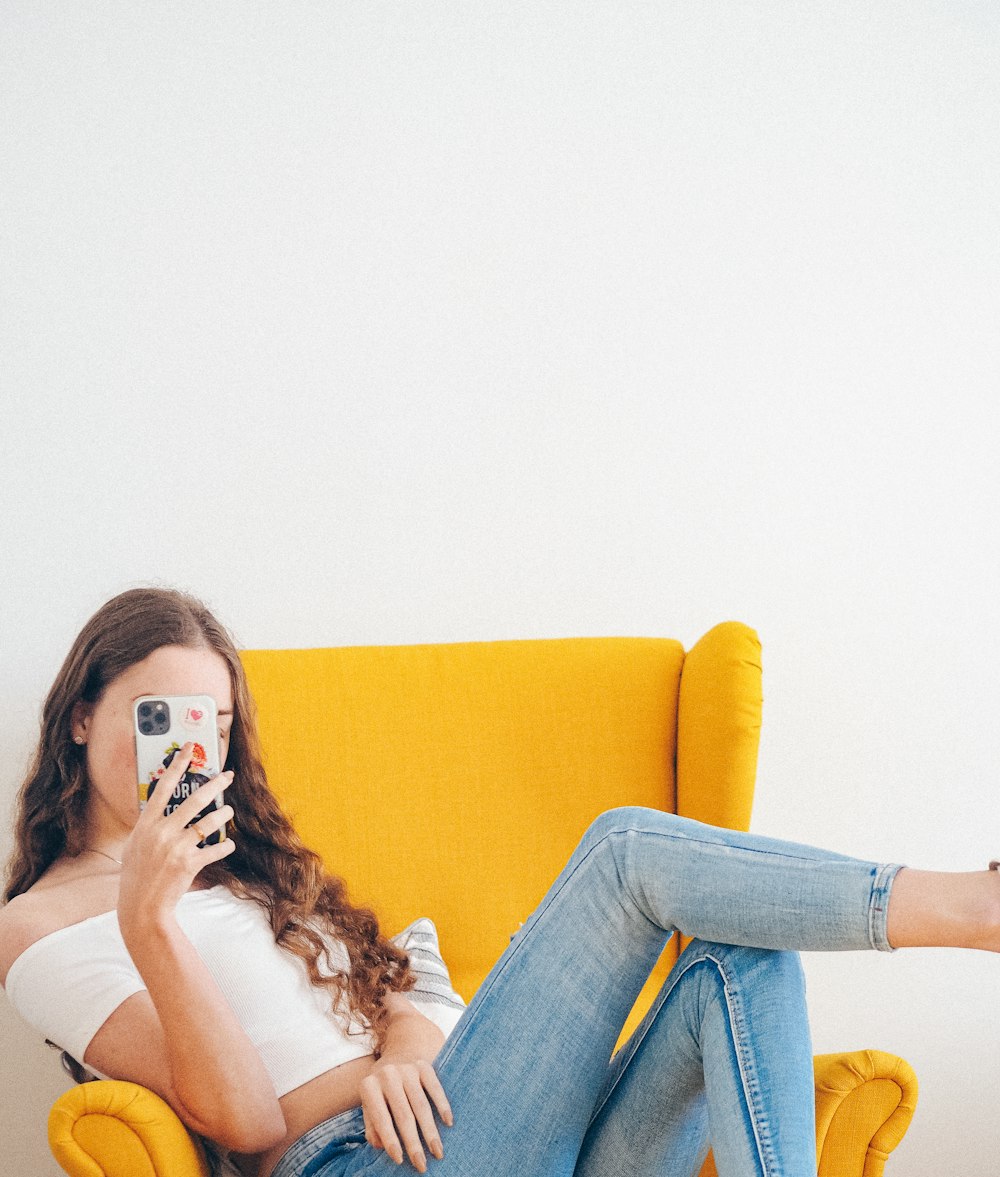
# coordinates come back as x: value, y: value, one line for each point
x: 93, y: 851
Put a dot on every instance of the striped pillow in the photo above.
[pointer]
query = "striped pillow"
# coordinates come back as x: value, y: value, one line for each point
x: 433, y: 994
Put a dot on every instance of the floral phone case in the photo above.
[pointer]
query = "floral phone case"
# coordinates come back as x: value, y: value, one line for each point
x: 163, y: 725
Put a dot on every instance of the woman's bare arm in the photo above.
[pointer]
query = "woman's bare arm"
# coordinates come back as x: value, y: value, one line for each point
x: 417, y: 1038
x: 205, y: 1067
x: 212, y: 1072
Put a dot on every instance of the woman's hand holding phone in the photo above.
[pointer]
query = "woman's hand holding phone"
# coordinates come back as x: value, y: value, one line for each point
x: 211, y: 1073
x: 163, y: 854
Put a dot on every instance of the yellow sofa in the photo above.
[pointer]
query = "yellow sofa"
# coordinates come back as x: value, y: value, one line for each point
x: 453, y: 781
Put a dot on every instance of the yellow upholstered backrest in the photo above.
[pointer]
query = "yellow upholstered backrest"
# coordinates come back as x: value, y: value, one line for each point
x: 454, y: 780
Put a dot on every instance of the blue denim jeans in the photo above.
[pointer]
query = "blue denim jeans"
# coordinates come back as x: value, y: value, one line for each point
x: 723, y: 1057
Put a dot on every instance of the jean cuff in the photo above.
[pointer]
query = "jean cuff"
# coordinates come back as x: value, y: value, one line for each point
x: 878, y: 905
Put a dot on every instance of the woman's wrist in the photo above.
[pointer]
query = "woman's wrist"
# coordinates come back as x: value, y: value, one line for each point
x: 147, y: 932
x: 409, y: 1037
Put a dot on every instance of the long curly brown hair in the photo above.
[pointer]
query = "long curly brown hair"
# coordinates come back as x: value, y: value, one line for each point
x: 270, y: 864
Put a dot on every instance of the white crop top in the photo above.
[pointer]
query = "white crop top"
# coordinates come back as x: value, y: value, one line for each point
x: 67, y: 984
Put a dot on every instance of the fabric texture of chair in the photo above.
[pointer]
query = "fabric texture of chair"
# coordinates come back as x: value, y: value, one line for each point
x: 452, y: 781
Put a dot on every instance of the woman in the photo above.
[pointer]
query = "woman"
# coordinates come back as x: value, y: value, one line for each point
x: 174, y: 962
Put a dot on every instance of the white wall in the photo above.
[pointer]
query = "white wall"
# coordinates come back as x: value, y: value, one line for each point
x: 387, y: 323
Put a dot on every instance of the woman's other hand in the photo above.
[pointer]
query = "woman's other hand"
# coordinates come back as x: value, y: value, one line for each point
x: 393, y: 1094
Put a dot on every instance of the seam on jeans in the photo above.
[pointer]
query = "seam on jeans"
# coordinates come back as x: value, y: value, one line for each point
x: 720, y: 844
x: 734, y: 1018
x: 750, y: 1089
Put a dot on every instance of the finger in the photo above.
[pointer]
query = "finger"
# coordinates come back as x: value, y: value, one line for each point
x: 430, y: 1080
x: 209, y: 822
x: 424, y: 1114
x: 371, y: 1135
x: 213, y: 853
x: 377, y: 1112
x: 201, y: 798
x: 167, y: 781
x: 400, y: 1096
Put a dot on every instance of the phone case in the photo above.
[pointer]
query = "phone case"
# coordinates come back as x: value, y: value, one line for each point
x: 163, y: 725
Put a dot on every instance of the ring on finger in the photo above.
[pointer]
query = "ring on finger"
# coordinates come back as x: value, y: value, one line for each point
x: 199, y: 831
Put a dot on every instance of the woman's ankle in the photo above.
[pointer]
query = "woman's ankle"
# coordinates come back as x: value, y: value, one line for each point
x: 944, y: 909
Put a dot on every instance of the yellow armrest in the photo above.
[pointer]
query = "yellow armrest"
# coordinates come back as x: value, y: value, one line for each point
x: 861, y: 1095
x: 864, y: 1105
x: 133, y: 1132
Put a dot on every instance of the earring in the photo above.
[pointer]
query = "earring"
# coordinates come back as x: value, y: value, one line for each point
x: 78, y: 739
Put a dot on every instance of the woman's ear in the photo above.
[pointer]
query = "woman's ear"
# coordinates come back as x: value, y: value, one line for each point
x: 80, y: 722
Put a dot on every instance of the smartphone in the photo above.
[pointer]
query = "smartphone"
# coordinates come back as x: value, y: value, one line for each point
x: 163, y: 725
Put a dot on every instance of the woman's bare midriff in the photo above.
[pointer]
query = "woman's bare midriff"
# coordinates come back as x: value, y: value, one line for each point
x: 327, y: 1095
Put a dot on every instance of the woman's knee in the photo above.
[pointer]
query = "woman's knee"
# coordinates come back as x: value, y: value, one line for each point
x: 782, y: 966
x: 624, y: 818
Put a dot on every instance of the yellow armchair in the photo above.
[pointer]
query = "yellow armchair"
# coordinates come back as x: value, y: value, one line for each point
x: 453, y: 781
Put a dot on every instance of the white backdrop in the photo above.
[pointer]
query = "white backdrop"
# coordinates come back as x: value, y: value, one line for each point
x: 407, y: 322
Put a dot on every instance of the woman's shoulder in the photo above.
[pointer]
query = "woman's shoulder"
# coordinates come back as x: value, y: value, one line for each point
x: 57, y: 900
x: 22, y: 922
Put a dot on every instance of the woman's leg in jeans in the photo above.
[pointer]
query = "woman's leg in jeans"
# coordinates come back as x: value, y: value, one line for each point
x: 724, y: 1058
x: 526, y: 1066
x: 669, y: 1113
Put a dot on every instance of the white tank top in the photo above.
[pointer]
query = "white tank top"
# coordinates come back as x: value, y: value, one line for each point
x: 67, y: 984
